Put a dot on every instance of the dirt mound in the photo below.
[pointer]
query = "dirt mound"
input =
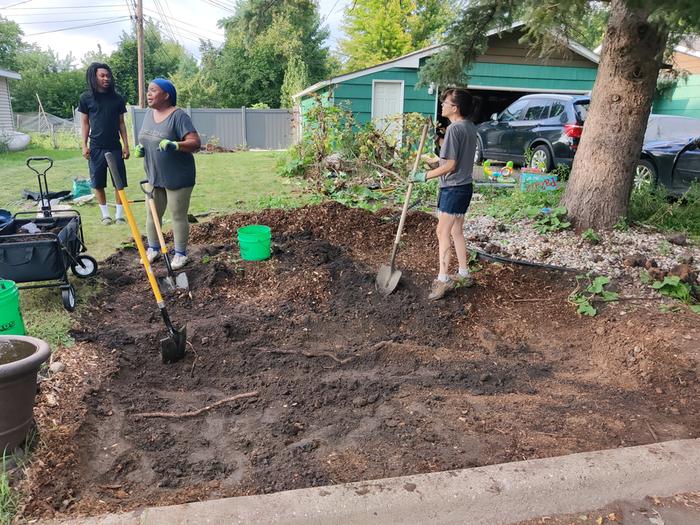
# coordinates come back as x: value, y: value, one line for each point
x: 349, y: 385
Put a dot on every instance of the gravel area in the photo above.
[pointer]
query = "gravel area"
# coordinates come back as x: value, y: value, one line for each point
x: 620, y: 255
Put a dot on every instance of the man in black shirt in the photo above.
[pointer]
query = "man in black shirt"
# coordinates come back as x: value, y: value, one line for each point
x: 103, y: 122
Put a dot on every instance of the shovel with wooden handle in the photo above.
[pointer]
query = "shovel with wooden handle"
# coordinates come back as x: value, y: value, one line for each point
x: 172, y: 347
x: 388, y: 276
x: 172, y: 281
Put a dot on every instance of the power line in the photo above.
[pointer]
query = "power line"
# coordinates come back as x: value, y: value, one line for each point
x: 109, y: 21
x: 61, y: 21
x: 13, y: 5
x: 79, y: 6
x: 187, y: 29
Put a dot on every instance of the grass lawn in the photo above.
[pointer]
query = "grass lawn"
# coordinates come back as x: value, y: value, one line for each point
x: 226, y: 182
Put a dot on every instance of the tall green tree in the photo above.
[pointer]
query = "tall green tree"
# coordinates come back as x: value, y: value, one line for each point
x: 262, y: 38
x: 162, y: 58
x: 638, y: 36
x: 379, y: 30
x: 10, y: 43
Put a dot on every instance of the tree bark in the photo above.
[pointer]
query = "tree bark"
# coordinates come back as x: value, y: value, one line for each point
x: 598, y: 192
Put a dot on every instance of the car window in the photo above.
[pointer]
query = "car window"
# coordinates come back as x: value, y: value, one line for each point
x: 514, y: 111
x: 536, y: 110
x: 557, y: 109
x: 581, y: 109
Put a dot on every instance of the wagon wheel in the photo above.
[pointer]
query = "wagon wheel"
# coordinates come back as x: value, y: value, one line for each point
x: 68, y: 297
x: 85, y: 266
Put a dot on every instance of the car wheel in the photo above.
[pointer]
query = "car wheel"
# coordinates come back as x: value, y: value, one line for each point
x: 542, y: 159
x: 645, y: 175
x: 478, y: 153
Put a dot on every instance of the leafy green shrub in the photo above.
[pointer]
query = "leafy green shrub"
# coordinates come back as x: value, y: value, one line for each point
x: 508, y: 204
x: 591, y: 236
x: 562, y: 171
x: 343, y: 159
x: 594, y: 291
x: 654, y: 207
x: 553, y: 221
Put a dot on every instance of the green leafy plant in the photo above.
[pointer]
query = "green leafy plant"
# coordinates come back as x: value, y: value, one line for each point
x: 8, y: 499
x: 553, y: 221
x: 591, y: 236
x: 562, y: 171
x: 672, y: 286
x: 590, y: 290
x: 665, y: 248
x: 621, y: 225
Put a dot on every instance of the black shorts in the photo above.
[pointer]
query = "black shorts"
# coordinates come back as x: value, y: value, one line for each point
x: 98, y: 167
x: 455, y: 199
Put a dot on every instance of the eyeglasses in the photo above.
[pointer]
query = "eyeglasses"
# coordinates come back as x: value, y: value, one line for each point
x: 449, y: 104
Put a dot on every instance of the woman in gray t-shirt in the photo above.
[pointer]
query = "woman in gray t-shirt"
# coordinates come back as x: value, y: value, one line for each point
x: 455, y: 172
x: 166, y: 142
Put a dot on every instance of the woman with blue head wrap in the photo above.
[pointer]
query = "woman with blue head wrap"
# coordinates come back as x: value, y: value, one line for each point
x: 167, y: 141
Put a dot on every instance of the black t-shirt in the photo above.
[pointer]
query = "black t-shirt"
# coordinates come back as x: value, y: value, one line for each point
x: 103, y: 111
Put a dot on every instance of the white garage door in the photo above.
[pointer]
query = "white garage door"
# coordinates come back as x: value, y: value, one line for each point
x: 387, y: 101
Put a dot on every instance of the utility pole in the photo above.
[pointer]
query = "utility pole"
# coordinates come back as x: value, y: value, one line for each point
x: 139, y: 46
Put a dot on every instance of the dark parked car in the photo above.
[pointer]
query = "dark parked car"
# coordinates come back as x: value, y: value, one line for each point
x: 549, y: 125
x: 672, y: 163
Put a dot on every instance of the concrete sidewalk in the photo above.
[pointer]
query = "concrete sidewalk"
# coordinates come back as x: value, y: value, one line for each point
x: 498, y: 494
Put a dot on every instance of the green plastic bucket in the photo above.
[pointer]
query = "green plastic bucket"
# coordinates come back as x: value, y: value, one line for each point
x: 254, y: 241
x: 11, y: 322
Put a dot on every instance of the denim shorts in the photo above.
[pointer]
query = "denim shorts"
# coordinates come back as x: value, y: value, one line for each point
x: 98, y: 166
x: 455, y: 199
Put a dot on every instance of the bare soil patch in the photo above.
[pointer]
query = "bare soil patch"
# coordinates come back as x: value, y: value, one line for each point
x: 350, y: 385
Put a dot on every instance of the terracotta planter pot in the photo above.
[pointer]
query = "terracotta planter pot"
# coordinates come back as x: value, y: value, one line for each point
x: 20, y: 359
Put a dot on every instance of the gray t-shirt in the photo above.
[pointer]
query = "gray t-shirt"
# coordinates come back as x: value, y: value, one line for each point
x: 459, y: 145
x: 167, y: 169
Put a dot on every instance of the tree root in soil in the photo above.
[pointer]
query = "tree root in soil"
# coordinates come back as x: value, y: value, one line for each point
x: 199, y: 411
x: 307, y: 354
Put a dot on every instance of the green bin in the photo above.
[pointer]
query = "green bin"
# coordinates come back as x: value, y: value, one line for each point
x: 11, y: 322
x: 254, y: 241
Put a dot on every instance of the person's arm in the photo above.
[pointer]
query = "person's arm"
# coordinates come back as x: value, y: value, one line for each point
x: 85, y: 129
x: 190, y: 143
x: 446, y: 168
x: 124, y: 136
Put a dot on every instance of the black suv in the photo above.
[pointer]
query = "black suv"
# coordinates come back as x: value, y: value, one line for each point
x: 549, y: 125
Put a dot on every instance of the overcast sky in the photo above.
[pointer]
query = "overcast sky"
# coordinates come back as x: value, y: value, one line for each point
x: 78, y: 26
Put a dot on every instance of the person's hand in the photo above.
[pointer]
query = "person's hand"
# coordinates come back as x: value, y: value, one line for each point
x: 168, y: 145
x: 139, y: 152
x: 86, y: 152
x: 419, y: 176
x: 125, y: 152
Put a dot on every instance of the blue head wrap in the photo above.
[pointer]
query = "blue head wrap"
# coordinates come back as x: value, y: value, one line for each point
x: 168, y: 87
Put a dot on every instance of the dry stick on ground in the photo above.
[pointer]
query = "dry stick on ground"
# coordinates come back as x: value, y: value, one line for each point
x: 197, y: 412
x: 651, y: 431
x: 307, y: 354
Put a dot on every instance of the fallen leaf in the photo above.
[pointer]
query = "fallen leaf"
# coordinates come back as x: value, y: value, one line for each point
x: 599, y: 520
x: 612, y: 516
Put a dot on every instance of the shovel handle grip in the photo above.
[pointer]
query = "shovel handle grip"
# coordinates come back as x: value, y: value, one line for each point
x: 407, y: 198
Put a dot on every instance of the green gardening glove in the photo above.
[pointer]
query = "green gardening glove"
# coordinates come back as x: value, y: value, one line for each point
x: 419, y: 176
x: 167, y: 145
x: 139, y: 151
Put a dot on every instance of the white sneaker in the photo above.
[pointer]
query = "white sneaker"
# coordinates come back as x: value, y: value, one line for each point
x: 152, y: 255
x: 178, y: 261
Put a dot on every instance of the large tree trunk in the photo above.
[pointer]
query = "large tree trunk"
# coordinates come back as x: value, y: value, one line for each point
x: 598, y: 192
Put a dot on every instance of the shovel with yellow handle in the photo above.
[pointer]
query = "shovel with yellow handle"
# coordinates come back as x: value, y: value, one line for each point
x: 172, y: 347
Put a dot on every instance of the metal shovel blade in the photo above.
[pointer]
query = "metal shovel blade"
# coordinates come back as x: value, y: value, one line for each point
x: 387, y: 279
x: 182, y: 282
x: 172, y: 348
x: 166, y: 284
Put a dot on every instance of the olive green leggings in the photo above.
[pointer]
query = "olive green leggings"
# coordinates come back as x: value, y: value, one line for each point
x: 179, y: 202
